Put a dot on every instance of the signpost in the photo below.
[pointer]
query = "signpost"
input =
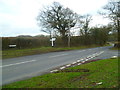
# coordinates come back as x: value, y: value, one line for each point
x: 12, y: 46
x: 52, y: 41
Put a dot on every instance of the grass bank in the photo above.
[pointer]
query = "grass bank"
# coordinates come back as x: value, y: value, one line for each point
x: 98, y: 74
x: 114, y: 48
x: 32, y: 51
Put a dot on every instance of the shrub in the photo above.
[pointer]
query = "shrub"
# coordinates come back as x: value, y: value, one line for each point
x: 117, y: 45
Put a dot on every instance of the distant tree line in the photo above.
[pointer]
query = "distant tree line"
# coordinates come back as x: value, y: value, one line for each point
x: 96, y: 36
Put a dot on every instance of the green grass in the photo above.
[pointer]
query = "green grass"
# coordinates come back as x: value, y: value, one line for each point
x: 114, y: 48
x: 24, y: 52
x: 105, y: 71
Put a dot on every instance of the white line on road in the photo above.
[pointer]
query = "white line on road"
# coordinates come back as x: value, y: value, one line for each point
x: 68, y: 65
x: 86, y: 59
x: 17, y: 63
x: 74, y: 62
x: 58, y: 55
x: 54, y: 71
x: 82, y: 51
x: 79, y: 63
x: 83, y: 61
x: 79, y: 51
x: 90, y: 49
x: 78, y: 60
x: 62, y: 67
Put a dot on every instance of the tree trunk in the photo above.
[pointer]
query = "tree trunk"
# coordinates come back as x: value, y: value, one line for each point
x: 118, y: 28
x: 64, y: 38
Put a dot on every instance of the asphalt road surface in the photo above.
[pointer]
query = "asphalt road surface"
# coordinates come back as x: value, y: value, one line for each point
x: 28, y: 66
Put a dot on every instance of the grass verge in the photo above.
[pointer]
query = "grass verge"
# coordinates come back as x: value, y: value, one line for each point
x: 114, y: 48
x: 32, y: 51
x: 98, y: 74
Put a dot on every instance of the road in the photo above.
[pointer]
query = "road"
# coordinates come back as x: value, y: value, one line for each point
x: 28, y: 66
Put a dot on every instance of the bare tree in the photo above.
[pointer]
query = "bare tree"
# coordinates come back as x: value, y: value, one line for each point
x: 83, y: 22
x: 112, y: 11
x: 58, y: 18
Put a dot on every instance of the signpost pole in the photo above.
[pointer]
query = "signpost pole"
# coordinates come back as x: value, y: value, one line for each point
x: 52, y: 43
x: 69, y: 35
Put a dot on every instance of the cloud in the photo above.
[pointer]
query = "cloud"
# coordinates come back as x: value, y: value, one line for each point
x: 19, y: 16
x: 99, y: 20
x: 84, y: 6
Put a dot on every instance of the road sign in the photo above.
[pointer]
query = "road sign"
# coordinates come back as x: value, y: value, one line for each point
x: 12, y: 46
x: 52, y: 40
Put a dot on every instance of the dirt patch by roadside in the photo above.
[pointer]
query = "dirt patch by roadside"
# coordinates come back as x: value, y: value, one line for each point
x: 73, y: 70
x: 82, y: 77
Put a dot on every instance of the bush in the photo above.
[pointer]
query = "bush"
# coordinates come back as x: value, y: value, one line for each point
x: 25, y: 42
x: 117, y: 45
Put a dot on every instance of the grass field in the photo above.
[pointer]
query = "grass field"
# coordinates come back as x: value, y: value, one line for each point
x: 24, y: 52
x: 98, y: 74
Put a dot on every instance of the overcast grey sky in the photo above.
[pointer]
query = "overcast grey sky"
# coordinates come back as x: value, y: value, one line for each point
x: 18, y: 17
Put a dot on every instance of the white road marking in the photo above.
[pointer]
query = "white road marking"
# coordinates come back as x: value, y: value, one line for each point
x: 54, y: 71
x: 62, y: 67
x: 97, y: 54
x: 17, y: 63
x: 89, y: 49
x: 78, y: 60
x: 79, y: 51
x: 102, y: 51
x: 68, y: 65
x: 86, y: 59
x: 90, y: 58
x: 79, y: 63
x: 83, y: 61
x: 74, y: 62
x: 58, y: 55
x: 94, y: 54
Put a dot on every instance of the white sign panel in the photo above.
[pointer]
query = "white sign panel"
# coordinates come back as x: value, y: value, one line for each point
x: 53, y: 39
x: 12, y: 45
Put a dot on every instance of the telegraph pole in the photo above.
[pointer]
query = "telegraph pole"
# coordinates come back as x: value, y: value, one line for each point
x: 69, y: 34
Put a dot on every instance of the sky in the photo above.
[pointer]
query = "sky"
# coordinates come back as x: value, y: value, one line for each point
x: 18, y: 17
